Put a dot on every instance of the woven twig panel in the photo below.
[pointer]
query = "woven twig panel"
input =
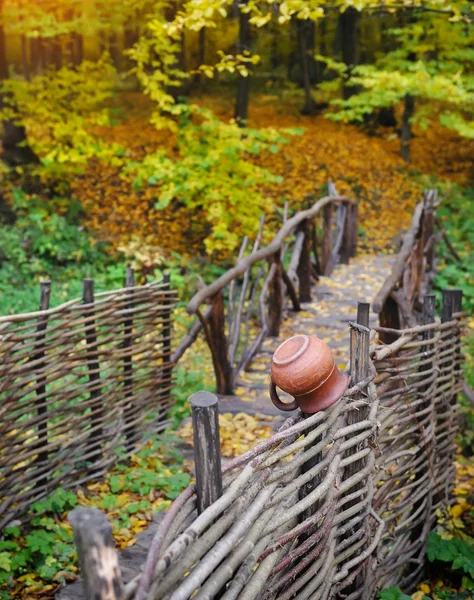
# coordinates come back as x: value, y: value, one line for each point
x: 418, y: 378
x: 78, y: 383
x: 283, y: 531
x: 263, y: 538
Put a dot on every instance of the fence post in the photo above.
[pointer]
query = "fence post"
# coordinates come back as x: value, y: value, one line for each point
x: 304, y: 265
x: 359, y: 368
x: 42, y: 409
x: 457, y: 308
x: 429, y: 217
x: 97, y: 556
x: 167, y: 336
x: 127, y: 365
x: 423, y: 524
x: 389, y: 317
x: 346, y: 245
x: 207, y: 453
x: 214, y: 329
x: 275, y: 308
x: 354, y: 209
x: 97, y: 413
x: 326, y: 246
x: 443, y: 469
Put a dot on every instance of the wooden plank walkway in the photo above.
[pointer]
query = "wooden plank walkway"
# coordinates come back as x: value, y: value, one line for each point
x: 333, y: 306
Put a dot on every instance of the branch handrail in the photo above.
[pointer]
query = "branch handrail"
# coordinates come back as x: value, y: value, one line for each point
x: 398, y: 301
x: 399, y: 266
x: 264, y: 253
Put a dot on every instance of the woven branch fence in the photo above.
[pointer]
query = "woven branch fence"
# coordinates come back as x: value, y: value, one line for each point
x: 334, y: 505
x: 78, y: 383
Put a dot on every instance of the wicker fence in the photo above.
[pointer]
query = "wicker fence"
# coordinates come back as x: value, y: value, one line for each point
x: 336, y: 504
x: 78, y: 383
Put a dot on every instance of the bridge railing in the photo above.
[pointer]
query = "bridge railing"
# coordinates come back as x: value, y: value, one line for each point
x: 247, y: 303
x: 398, y: 302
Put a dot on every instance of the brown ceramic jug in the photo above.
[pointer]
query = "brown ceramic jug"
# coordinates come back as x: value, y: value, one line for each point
x: 304, y: 367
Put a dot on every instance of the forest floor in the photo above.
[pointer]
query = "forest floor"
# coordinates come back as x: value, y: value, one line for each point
x: 368, y: 166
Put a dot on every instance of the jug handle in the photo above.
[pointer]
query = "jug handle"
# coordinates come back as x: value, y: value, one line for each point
x: 285, y: 406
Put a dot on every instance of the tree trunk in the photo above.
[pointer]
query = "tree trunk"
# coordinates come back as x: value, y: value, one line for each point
x: 349, y: 45
x: 14, y: 136
x: 3, y: 55
x: 24, y: 58
x: 305, y: 31
x: 406, y: 133
x: 201, y: 58
x: 114, y: 50
x: 79, y: 51
x: 242, y: 100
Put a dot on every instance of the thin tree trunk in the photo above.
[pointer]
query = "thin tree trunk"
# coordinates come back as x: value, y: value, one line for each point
x: 406, y: 132
x: 309, y: 107
x: 15, y: 150
x: 242, y: 100
x: 349, y: 45
x: 3, y: 54
x: 201, y: 57
x: 24, y: 58
x: 79, y: 49
x: 114, y: 50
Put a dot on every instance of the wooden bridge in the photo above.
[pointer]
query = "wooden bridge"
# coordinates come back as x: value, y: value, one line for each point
x: 339, y: 502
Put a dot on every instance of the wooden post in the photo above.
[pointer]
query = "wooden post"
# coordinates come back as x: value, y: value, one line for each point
x: 42, y: 409
x: 326, y: 250
x: 207, y: 453
x: 354, y: 209
x: 359, y: 365
x: 275, y: 307
x: 346, y: 246
x: 389, y: 317
x: 425, y: 446
x: 97, y: 556
x: 444, y: 409
x: 457, y: 308
x: 167, y: 335
x: 97, y: 412
x: 127, y: 366
x: 217, y: 340
x: 448, y: 306
x: 304, y: 265
x: 429, y: 218
x: 314, y: 247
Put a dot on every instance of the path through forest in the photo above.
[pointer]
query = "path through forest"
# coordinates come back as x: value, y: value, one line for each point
x: 333, y: 306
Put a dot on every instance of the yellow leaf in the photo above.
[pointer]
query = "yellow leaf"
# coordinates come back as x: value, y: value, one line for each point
x: 425, y: 588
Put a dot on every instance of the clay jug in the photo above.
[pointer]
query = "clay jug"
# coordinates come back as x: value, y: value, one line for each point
x: 304, y: 367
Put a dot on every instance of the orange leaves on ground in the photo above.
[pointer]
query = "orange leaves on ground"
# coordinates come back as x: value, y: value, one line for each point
x: 367, y: 168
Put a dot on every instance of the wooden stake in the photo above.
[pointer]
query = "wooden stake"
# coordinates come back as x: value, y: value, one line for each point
x: 304, y: 264
x: 42, y: 410
x: 326, y: 249
x: 359, y: 364
x: 167, y: 335
x: 207, y: 453
x: 275, y: 302
x: 97, y: 556
x: 93, y: 367
x: 127, y: 365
